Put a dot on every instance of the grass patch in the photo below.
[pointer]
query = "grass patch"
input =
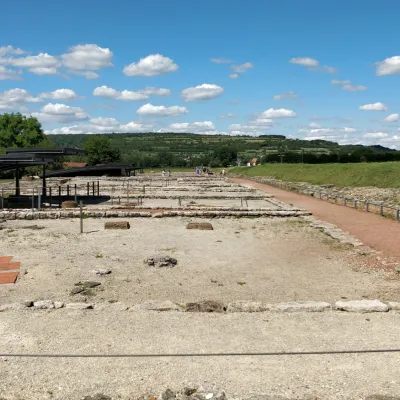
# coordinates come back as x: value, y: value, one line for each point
x: 383, y: 175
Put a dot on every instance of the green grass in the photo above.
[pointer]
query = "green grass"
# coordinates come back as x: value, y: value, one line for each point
x: 383, y: 175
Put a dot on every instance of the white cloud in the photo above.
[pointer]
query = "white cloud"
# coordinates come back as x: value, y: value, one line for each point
x: 306, y: 61
x: 102, y: 125
x: 16, y: 97
x: 206, y: 91
x: 60, y: 94
x: 375, y: 135
x: 227, y: 116
x: 389, y: 66
x: 152, y: 65
x: 9, y: 74
x: 154, y: 91
x: 126, y: 95
x: 60, y: 113
x: 242, y: 67
x: 233, y: 76
x: 254, y: 127
x: 89, y: 57
x: 374, y: 107
x: 107, y: 92
x: 104, y: 122
x: 278, y: 113
x: 347, y: 85
x: 348, y: 130
x: 314, y: 125
x: 41, y: 64
x: 286, y: 96
x: 161, y: 111
x: 10, y: 50
x: 204, y: 127
x: 221, y: 60
x: 392, y: 118
x: 86, y: 74
x: 312, y: 64
x: 66, y: 130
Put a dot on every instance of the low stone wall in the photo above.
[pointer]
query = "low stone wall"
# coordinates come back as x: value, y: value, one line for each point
x: 207, y: 306
x: 29, y: 215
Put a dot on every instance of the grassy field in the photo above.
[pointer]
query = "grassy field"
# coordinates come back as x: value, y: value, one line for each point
x: 384, y: 175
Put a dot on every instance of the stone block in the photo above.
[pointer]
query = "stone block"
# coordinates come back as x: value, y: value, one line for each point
x: 117, y: 225
x: 203, y: 226
x: 362, y: 306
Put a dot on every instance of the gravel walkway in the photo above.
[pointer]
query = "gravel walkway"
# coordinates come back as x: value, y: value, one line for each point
x: 377, y: 232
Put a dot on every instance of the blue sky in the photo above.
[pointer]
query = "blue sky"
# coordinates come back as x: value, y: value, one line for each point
x: 306, y: 69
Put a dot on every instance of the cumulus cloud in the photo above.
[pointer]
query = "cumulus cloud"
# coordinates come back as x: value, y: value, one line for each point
x: 206, y: 91
x: 154, y: 91
x: 9, y: 74
x: 312, y: 64
x: 389, y: 66
x: 4, y: 50
x: 254, y: 127
x: 204, y: 127
x: 347, y: 85
x: 233, y: 76
x: 348, y: 130
x: 221, y: 60
x: 103, y: 125
x: 126, y: 95
x: 60, y: 113
x: 314, y: 125
x: 375, y: 135
x: 242, y: 67
x: 90, y: 57
x: 161, y: 111
x: 86, y: 74
x: 286, y: 96
x: 13, y: 98
x: 60, y: 94
x: 306, y: 61
x: 41, y: 64
x: 392, y: 118
x: 278, y: 113
x: 152, y: 65
x: 374, y: 107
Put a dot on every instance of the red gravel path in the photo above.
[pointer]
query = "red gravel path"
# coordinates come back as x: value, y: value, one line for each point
x: 377, y: 232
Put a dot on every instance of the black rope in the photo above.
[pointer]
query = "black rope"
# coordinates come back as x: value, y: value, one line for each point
x: 170, y: 355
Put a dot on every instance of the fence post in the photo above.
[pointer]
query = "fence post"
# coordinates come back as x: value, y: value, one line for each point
x: 98, y: 188
x: 381, y: 210
x: 398, y: 214
x: 33, y: 199
x: 2, y: 198
x: 76, y: 195
x: 355, y: 203
x: 51, y: 199
x: 345, y: 201
x: 93, y: 189
x: 81, y: 215
x: 68, y: 190
x: 39, y: 200
x: 112, y: 195
x: 87, y: 188
x: 59, y: 196
x: 367, y: 206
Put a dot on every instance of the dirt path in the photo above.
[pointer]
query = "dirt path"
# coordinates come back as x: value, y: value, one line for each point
x: 377, y: 232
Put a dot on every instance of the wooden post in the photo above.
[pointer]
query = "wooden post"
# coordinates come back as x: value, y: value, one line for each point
x: 81, y: 215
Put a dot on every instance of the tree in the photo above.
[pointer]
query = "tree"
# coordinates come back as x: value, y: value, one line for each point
x: 99, y: 151
x: 17, y: 130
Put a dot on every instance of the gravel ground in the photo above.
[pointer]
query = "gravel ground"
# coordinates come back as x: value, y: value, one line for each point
x: 100, y: 332
x: 261, y: 259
